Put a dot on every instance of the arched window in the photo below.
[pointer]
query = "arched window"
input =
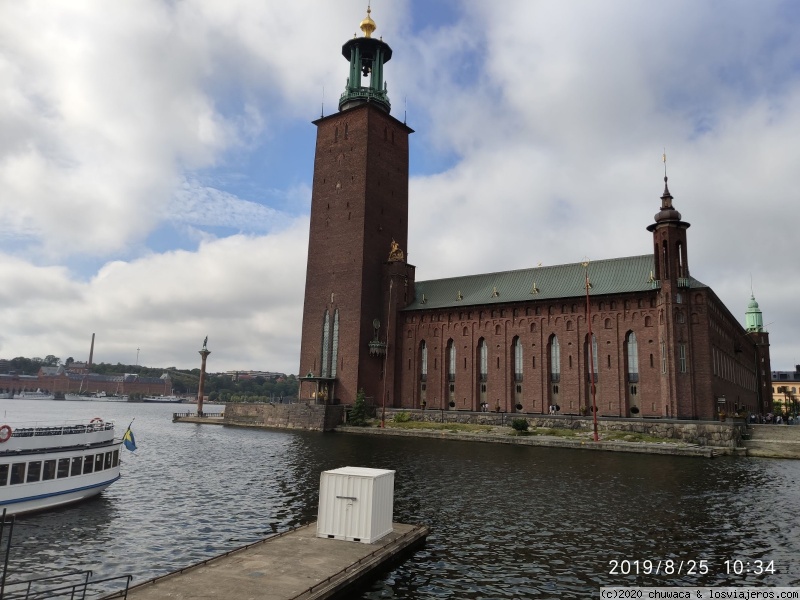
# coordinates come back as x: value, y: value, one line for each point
x: 451, y: 361
x: 326, y: 327
x: 591, y: 361
x: 423, y: 361
x: 632, y: 356
x: 335, y: 342
x: 555, y: 360
x: 483, y: 358
x: 517, y: 359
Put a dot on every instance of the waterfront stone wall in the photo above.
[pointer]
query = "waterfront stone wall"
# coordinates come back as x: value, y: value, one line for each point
x: 314, y: 417
x: 727, y: 434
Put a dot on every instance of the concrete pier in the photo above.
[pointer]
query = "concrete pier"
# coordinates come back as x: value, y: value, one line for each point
x: 295, y: 565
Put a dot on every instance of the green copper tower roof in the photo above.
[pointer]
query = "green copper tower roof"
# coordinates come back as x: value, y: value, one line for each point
x: 754, y: 321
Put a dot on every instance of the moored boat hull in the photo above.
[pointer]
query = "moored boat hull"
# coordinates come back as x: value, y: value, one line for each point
x: 44, y: 467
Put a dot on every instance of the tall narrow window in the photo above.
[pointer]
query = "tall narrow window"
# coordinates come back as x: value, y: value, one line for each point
x: 423, y: 361
x: 483, y: 354
x: 663, y: 356
x: 632, y: 354
x: 682, y: 357
x: 593, y: 365
x: 335, y: 342
x: 555, y: 360
x: 517, y: 359
x: 326, y: 325
x: 451, y: 361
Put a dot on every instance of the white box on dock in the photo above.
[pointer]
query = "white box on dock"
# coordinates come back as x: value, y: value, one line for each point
x: 355, y: 504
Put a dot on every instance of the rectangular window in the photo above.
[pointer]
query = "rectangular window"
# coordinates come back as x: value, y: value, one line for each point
x: 115, y: 459
x: 88, y: 464
x: 77, y: 464
x: 63, y: 467
x: 98, y: 462
x: 17, y: 473
x: 49, y: 470
x: 682, y: 357
x: 34, y: 471
x: 3, y: 474
x: 663, y: 357
x: 108, y: 461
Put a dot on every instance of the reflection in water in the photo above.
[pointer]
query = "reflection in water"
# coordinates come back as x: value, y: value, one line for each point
x: 507, y: 521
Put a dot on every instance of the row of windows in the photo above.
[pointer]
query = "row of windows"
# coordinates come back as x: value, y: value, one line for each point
x: 729, y: 369
x: 44, y: 470
x: 631, y: 353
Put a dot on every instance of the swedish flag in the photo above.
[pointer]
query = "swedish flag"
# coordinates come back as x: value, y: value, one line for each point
x: 128, y: 439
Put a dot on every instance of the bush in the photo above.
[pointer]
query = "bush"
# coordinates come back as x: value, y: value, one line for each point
x: 519, y: 424
x: 358, y: 414
x: 401, y: 417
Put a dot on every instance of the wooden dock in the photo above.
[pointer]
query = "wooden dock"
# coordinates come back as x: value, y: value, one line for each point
x: 295, y: 565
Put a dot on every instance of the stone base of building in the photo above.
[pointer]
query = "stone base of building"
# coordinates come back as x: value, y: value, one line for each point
x: 314, y: 417
x: 727, y: 434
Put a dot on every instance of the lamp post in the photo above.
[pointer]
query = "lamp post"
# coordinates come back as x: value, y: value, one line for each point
x: 591, y: 349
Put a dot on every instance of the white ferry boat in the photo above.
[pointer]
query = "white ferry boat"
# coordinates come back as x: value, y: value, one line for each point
x: 45, y: 466
x: 37, y: 395
x: 163, y: 399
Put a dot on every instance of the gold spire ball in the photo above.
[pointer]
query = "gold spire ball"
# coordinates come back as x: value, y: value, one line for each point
x: 368, y: 25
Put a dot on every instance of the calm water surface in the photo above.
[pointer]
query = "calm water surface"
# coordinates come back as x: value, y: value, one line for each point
x: 507, y: 522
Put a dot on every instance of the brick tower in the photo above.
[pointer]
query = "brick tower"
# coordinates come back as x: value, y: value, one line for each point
x: 678, y: 397
x: 356, y: 275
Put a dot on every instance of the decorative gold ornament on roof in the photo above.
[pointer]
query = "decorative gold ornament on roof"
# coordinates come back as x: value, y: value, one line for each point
x: 368, y: 25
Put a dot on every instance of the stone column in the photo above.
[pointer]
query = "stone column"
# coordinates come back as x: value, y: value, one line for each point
x: 201, y: 391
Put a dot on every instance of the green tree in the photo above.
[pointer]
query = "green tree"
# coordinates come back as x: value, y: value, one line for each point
x: 358, y: 414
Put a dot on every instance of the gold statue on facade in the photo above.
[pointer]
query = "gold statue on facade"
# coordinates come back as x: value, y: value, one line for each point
x: 395, y: 253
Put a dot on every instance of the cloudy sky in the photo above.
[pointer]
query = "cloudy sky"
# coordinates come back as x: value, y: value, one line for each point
x: 156, y: 156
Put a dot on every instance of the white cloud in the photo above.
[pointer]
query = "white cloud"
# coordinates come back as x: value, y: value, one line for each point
x: 241, y: 291
x: 552, y: 115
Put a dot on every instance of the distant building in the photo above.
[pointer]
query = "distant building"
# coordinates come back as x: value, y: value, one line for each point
x: 786, y: 390
x: 659, y: 343
x: 237, y: 375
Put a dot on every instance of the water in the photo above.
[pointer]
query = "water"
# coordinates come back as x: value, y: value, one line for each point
x: 507, y: 522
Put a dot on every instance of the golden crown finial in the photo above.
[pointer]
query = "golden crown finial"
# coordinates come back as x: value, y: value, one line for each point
x: 368, y: 25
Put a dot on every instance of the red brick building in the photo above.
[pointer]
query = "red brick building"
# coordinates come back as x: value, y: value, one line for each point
x: 662, y: 344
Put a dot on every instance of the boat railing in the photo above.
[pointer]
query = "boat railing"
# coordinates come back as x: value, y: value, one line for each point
x: 68, y: 429
x: 42, y: 588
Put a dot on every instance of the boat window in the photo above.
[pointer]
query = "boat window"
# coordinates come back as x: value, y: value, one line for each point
x: 49, y: 470
x: 77, y: 464
x: 115, y: 460
x: 34, y: 471
x: 88, y: 464
x: 108, y: 460
x: 98, y: 462
x: 3, y: 474
x: 17, y: 473
x: 63, y: 467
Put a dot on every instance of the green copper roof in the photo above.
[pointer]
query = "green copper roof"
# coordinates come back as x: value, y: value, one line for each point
x: 614, y: 276
x: 753, y: 317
